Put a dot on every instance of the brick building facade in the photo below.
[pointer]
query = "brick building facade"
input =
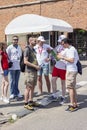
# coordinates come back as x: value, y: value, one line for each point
x: 72, y: 11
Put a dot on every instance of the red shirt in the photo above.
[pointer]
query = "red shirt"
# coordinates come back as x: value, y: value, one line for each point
x: 4, y: 60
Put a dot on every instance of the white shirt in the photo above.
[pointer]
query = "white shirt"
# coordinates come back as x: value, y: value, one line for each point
x: 14, y: 55
x: 61, y: 64
x: 59, y: 48
x: 41, y: 53
x: 72, y: 53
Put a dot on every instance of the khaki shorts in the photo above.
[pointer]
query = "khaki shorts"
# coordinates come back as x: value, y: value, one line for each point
x: 31, y: 79
x: 71, y: 79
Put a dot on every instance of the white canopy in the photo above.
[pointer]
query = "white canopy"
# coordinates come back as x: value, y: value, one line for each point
x: 34, y: 23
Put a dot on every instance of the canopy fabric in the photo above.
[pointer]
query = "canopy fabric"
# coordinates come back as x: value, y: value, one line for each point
x: 28, y: 23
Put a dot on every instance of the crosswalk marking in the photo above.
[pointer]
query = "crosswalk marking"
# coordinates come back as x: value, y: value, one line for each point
x: 80, y: 84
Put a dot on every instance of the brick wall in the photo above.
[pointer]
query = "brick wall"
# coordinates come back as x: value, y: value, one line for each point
x: 74, y: 13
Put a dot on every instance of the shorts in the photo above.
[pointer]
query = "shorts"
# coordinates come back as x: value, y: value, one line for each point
x: 59, y: 73
x: 44, y: 69
x: 71, y: 79
x: 5, y: 72
x: 31, y: 78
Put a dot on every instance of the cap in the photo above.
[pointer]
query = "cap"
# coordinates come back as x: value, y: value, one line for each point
x: 41, y: 38
x: 61, y: 37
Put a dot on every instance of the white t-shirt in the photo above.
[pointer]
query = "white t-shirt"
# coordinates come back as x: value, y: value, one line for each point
x: 14, y: 55
x: 41, y: 53
x: 72, y: 53
x: 61, y: 64
x: 59, y: 48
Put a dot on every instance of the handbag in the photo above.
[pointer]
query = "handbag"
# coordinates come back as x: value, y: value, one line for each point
x: 10, y: 64
x: 79, y: 67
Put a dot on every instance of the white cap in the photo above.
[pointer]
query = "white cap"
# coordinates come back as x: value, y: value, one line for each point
x: 41, y: 38
x: 61, y: 37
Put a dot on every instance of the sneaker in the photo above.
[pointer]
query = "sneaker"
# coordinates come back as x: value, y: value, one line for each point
x: 68, y: 108
x: 35, y: 104
x: 52, y: 98
x: 11, y: 96
x: 72, y: 108
x: 62, y: 100
x: 1, y: 98
x: 29, y: 107
x: 39, y: 93
x: 6, y: 100
x: 19, y: 95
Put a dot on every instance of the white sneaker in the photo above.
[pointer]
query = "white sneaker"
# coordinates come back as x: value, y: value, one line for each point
x: 11, y: 96
x: 1, y: 98
x: 62, y: 101
x: 19, y: 95
x: 6, y: 100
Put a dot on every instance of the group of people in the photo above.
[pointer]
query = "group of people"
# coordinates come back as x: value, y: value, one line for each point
x: 10, y: 54
x: 36, y: 60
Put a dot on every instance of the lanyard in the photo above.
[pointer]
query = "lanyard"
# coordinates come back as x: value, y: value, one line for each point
x: 40, y: 49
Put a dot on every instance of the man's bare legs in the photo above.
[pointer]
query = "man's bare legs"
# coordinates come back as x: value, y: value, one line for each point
x: 73, y: 96
x: 29, y: 94
x: 47, y: 83
x: 39, y: 83
x: 54, y: 84
x: 63, y: 85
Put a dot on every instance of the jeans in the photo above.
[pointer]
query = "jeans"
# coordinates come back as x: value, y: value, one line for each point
x: 14, y: 79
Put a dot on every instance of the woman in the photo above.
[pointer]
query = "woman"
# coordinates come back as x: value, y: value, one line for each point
x: 4, y: 71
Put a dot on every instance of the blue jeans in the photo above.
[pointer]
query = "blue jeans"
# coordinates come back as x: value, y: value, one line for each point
x: 14, y: 79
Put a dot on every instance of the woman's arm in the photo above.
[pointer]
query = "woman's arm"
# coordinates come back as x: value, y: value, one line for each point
x: 1, y: 70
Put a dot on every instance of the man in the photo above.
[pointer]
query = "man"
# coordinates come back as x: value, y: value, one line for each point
x: 14, y: 53
x: 42, y: 54
x: 30, y: 73
x: 59, y: 70
x: 71, y: 59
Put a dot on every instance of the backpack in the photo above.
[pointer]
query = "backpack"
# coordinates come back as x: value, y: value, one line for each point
x: 22, y: 65
x: 79, y: 67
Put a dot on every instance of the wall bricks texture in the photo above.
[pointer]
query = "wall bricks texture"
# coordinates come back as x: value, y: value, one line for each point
x: 74, y: 13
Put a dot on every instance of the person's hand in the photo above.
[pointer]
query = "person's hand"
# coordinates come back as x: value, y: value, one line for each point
x: 47, y: 59
x: 37, y: 67
x: 59, y: 56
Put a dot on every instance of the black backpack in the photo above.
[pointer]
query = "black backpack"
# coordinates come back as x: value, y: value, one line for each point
x: 79, y: 67
x: 22, y: 65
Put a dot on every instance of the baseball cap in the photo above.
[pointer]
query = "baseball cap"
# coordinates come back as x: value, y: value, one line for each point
x: 61, y: 37
x: 41, y: 38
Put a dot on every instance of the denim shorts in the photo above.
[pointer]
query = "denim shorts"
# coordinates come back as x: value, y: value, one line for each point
x: 44, y: 69
x: 5, y: 72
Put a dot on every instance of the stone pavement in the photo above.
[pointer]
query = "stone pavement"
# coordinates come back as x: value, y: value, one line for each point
x: 16, y: 106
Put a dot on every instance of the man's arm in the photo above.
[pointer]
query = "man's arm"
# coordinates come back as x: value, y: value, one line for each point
x: 30, y: 64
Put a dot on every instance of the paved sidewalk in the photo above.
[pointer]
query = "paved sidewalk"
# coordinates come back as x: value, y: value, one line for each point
x: 16, y: 107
